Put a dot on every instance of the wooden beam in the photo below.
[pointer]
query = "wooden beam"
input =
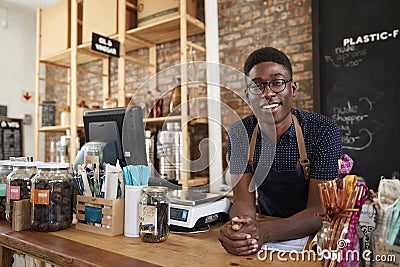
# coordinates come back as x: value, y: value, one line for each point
x: 37, y: 82
x: 54, y: 64
x: 53, y: 81
x: 106, y: 78
x: 197, y: 47
x: 131, y: 6
x: 122, y: 52
x: 91, y: 72
x: 137, y: 39
x: 92, y: 53
x: 139, y: 61
x: 6, y: 256
x: 185, y: 172
x: 73, y: 87
x: 87, y: 99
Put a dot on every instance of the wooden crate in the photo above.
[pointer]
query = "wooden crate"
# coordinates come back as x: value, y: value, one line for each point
x: 112, y: 221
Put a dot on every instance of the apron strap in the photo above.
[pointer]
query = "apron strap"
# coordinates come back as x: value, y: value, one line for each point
x: 303, y: 161
x: 252, y: 148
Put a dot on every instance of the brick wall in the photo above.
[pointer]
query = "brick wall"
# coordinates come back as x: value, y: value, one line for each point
x: 243, y: 27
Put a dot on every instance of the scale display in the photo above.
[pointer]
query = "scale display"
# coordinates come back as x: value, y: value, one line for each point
x: 179, y: 214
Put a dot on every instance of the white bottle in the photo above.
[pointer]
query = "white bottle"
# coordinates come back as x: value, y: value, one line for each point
x: 64, y: 117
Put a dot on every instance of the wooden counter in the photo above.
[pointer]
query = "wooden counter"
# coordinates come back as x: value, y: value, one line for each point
x: 72, y: 247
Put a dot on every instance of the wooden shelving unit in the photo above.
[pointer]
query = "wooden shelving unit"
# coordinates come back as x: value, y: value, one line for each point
x: 179, y: 27
x: 69, y: 59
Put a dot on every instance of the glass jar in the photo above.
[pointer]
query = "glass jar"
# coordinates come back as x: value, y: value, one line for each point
x: 324, y: 236
x: 51, y: 201
x: 154, y: 214
x: 93, y: 153
x: 353, y: 243
x: 19, y: 184
x: 5, y: 169
x: 380, y: 233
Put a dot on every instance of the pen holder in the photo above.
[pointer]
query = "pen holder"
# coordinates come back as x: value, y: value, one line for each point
x: 100, y: 216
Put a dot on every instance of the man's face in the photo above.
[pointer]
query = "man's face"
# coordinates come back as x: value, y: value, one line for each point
x: 270, y: 103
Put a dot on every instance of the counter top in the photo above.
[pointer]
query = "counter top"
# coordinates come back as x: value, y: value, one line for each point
x: 72, y: 247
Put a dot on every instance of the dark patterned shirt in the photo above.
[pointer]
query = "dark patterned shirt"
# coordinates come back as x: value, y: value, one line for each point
x: 321, y: 136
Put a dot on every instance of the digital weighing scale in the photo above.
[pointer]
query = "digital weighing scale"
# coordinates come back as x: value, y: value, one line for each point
x: 191, y: 210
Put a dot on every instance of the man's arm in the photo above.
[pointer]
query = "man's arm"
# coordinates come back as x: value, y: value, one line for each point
x: 243, y: 211
x: 300, y: 224
x: 243, y: 199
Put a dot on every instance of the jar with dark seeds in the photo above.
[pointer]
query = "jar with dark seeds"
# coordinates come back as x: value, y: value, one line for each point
x: 51, y: 202
x: 19, y: 184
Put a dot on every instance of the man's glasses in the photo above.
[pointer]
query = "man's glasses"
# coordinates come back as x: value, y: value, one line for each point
x: 276, y: 86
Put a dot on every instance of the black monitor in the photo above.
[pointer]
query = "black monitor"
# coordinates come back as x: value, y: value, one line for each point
x: 119, y: 131
x: 104, y: 127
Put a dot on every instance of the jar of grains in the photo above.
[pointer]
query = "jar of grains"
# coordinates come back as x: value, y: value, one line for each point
x: 51, y: 201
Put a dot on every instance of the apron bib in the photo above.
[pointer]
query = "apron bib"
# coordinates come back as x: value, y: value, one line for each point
x: 283, y: 193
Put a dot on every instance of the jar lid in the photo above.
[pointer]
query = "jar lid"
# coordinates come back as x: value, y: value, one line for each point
x: 147, y: 134
x: 53, y: 165
x: 173, y: 126
x: 24, y: 163
x: 5, y: 163
x: 159, y: 189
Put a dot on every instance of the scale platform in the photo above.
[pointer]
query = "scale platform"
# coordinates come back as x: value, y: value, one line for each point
x: 193, y: 210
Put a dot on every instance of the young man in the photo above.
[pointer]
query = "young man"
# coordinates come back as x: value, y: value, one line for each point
x: 284, y: 189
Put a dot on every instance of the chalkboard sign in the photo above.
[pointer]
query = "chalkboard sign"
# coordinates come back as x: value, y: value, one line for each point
x: 358, y: 66
x: 10, y: 138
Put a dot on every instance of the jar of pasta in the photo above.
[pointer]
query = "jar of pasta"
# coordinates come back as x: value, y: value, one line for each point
x: 51, y: 197
x: 154, y: 214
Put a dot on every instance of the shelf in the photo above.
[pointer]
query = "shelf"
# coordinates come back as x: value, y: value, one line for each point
x: 46, y: 129
x: 142, y: 37
x: 54, y: 128
x: 86, y: 54
x: 161, y: 32
x: 175, y: 118
x: 162, y: 119
x: 198, y: 121
x: 196, y: 181
x: 90, y: 100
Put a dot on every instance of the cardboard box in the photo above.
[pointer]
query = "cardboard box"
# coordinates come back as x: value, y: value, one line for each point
x: 151, y: 11
x: 131, y: 15
x: 55, y: 28
x: 99, y: 16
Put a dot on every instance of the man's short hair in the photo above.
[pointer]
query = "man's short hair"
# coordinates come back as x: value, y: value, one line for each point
x: 267, y: 54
